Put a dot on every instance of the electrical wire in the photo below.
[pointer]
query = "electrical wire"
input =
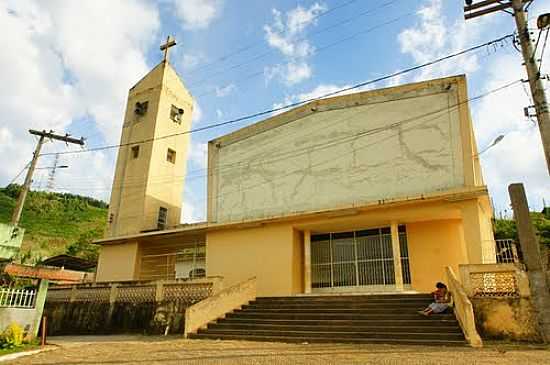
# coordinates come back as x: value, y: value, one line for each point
x: 272, y: 51
x: 542, y: 51
x: 318, y: 51
x: 294, y: 104
x: 336, y: 157
x: 321, y: 146
x: 254, y: 44
x: 19, y: 174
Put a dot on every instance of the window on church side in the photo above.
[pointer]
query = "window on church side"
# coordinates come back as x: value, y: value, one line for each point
x: 162, y: 218
x: 135, y: 152
x: 176, y: 114
x: 171, y: 156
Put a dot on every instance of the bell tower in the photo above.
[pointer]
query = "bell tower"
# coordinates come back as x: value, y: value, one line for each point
x: 151, y: 162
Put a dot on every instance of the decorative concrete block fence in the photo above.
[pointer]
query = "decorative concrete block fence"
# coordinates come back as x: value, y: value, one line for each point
x: 500, y: 296
x: 125, y: 307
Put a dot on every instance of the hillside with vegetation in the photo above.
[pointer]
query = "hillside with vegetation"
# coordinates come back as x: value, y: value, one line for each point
x: 506, y: 228
x: 56, y: 223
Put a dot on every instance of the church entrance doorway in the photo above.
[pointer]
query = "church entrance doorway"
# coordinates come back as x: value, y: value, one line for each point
x: 357, y: 260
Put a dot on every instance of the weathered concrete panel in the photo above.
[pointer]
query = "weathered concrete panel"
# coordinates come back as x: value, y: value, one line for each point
x: 350, y: 151
x: 506, y: 319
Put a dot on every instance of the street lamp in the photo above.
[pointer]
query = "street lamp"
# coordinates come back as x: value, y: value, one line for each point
x: 543, y: 21
x: 496, y: 141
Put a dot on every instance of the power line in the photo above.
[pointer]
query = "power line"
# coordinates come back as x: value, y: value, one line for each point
x: 291, y: 154
x: 298, y: 103
x: 254, y: 44
x: 19, y: 174
x: 391, y: 126
x: 271, y: 51
x: 318, y: 50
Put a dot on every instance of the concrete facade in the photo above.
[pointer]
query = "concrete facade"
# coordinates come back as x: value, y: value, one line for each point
x: 403, y: 156
x: 348, y: 150
x: 118, y: 262
x: 144, y: 179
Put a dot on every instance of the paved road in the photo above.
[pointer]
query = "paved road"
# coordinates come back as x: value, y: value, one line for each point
x: 173, y: 350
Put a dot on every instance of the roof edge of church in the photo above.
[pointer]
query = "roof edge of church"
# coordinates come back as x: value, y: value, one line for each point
x: 164, y: 64
x: 451, y: 195
x: 312, y: 107
x: 144, y: 76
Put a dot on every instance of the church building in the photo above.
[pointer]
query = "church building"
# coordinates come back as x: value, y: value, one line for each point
x: 375, y: 191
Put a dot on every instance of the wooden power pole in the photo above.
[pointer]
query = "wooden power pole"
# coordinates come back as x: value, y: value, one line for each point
x: 530, y: 248
x: 518, y: 8
x: 28, y: 178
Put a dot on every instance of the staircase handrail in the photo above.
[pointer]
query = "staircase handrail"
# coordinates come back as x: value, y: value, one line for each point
x: 216, y: 306
x: 463, y: 309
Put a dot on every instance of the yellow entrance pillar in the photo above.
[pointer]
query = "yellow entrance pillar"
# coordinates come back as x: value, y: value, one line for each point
x: 307, y: 262
x: 396, y: 256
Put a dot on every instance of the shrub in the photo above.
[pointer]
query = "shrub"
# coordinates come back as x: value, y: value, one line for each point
x: 12, y: 337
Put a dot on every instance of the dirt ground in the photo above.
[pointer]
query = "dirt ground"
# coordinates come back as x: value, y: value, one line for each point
x: 173, y: 350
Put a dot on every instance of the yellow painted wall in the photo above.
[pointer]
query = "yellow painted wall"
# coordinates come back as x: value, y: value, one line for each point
x: 266, y: 252
x: 118, y: 262
x: 433, y: 246
x: 298, y: 262
x: 144, y: 184
x: 478, y: 230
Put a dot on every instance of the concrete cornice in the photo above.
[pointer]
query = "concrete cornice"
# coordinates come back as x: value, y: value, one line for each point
x: 452, y: 195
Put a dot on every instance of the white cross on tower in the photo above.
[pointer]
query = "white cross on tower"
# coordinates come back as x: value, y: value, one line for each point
x: 170, y: 41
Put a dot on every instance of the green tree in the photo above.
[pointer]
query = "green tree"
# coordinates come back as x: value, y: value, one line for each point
x: 83, y: 247
x: 506, y: 228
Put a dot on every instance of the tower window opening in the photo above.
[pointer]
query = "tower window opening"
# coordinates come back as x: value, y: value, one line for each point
x: 176, y: 114
x: 171, y: 156
x: 141, y: 108
x: 162, y: 218
x: 135, y: 152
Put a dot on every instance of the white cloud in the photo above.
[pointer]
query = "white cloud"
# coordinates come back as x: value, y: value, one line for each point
x: 434, y: 36
x: 324, y: 89
x: 198, y: 152
x: 188, y: 213
x: 197, y: 114
x: 219, y: 113
x: 286, y: 34
x: 192, y: 60
x: 225, y: 90
x: 291, y: 73
x: 320, y: 91
x: 193, y: 208
x: 519, y: 156
x: 64, y: 61
x: 198, y: 14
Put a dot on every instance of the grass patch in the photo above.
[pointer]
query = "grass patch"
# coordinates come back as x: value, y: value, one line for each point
x: 26, y: 347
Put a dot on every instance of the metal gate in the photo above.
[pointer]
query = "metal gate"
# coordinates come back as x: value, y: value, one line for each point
x: 357, y: 259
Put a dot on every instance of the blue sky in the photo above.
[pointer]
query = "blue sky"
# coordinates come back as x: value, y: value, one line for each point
x: 68, y: 66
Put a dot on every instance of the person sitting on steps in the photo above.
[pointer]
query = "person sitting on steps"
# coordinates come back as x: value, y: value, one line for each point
x: 442, y: 299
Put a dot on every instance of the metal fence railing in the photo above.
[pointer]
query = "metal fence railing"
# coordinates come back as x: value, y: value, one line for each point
x: 506, y: 251
x: 17, y: 298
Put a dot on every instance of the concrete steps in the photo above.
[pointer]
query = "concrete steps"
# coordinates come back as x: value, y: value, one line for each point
x: 388, y: 319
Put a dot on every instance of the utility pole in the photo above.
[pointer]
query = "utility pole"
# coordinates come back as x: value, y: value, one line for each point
x: 518, y: 7
x: 528, y: 241
x: 28, y: 178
